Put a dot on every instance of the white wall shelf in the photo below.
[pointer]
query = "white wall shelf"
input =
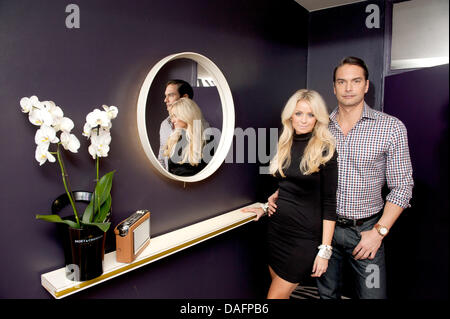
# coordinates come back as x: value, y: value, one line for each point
x: 161, y: 246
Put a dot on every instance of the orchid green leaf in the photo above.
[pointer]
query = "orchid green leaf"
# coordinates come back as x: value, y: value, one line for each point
x: 103, y: 188
x: 104, y: 210
x: 103, y: 226
x: 57, y: 219
x: 101, y: 194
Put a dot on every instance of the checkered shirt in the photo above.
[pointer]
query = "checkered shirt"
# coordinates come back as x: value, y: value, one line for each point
x: 374, y: 152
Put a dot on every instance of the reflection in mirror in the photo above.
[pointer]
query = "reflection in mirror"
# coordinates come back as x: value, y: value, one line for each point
x: 185, y: 145
x: 161, y: 126
x: 151, y: 110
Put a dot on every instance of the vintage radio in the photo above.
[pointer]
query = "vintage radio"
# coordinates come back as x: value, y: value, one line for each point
x: 132, y: 236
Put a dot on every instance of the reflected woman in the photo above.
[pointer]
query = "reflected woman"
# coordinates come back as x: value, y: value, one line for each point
x: 301, y: 231
x: 184, y: 146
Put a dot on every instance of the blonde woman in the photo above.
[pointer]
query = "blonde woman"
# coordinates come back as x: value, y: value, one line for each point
x: 185, y: 145
x: 306, y: 168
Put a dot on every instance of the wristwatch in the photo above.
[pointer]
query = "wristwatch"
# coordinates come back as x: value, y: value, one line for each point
x: 382, y: 230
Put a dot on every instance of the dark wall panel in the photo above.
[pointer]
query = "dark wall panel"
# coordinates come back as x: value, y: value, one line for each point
x: 419, y: 240
x: 339, y: 32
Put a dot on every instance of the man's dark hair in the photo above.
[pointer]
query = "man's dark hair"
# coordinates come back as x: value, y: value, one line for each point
x: 353, y: 61
x: 183, y: 87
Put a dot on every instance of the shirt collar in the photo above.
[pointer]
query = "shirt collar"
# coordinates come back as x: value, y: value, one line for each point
x: 169, y: 122
x: 367, y: 112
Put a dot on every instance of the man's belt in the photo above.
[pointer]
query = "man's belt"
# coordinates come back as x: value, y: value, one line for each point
x: 344, y: 222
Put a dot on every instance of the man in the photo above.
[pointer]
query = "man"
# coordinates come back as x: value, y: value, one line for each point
x: 373, y: 150
x: 175, y: 89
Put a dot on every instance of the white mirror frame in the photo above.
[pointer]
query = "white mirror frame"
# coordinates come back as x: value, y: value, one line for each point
x: 226, y: 100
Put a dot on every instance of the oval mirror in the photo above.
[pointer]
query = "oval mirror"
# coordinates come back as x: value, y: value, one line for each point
x: 211, y: 93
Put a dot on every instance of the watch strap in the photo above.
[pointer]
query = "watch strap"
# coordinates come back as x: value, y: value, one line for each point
x: 382, y: 230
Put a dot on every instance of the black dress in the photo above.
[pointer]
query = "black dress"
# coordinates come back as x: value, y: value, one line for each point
x: 295, y: 230
x: 185, y: 169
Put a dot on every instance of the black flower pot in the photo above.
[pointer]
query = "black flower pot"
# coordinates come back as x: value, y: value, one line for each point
x: 84, y: 248
x: 87, y: 249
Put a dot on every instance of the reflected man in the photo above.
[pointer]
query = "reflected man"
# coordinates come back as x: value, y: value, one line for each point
x: 175, y: 89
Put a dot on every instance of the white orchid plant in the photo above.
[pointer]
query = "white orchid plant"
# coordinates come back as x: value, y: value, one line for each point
x: 51, y: 121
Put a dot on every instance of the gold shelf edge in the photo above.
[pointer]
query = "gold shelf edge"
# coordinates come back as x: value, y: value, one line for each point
x: 136, y: 264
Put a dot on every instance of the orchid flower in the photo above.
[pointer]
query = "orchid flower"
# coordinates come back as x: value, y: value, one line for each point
x: 35, y: 101
x: 38, y: 113
x: 87, y: 130
x: 40, y: 117
x: 100, y: 150
x: 45, y: 135
x: 100, y: 144
x: 98, y: 118
x: 26, y: 105
x: 98, y: 124
x: 42, y: 154
x: 70, y: 142
x: 112, y: 111
x: 64, y: 124
x: 54, y: 110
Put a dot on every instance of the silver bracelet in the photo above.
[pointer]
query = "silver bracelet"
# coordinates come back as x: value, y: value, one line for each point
x: 265, y: 208
x: 325, y: 251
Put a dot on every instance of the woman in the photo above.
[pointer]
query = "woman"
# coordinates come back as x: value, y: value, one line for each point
x: 306, y: 168
x: 185, y: 145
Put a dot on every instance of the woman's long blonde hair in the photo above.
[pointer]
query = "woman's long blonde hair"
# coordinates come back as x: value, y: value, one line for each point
x: 320, y: 147
x: 187, y: 111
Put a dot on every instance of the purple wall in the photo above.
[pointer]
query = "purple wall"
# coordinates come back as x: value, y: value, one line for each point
x: 105, y: 62
x: 418, y: 244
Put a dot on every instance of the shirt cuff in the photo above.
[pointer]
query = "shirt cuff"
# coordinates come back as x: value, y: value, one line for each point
x: 402, y: 201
